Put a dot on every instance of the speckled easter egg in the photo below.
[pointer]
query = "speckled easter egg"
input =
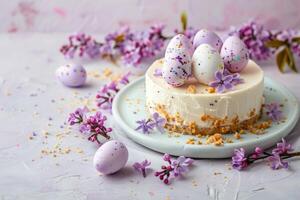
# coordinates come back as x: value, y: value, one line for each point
x: 206, y: 61
x: 71, y: 75
x: 235, y: 54
x: 110, y: 157
x: 177, y: 62
x: 207, y: 37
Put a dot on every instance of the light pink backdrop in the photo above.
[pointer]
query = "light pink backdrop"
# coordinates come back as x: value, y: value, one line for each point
x: 106, y: 15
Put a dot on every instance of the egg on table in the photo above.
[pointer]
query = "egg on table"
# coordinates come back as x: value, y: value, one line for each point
x: 110, y: 157
x: 235, y: 54
x: 207, y: 37
x: 206, y: 61
x: 177, y: 62
x: 71, y: 75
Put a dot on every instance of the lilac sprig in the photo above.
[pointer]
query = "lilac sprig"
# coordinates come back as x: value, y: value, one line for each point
x: 263, y: 43
x: 175, y: 168
x: 81, y: 44
x: 107, y: 93
x: 142, y: 167
x: 147, y: 125
x: 92, y: 126
x: 132, y: 47
x: 276, y: 158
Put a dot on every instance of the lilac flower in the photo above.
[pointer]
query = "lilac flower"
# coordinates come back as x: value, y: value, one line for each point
x: 157, y: 72
x: 174, y: 169
x: 222, y: 82
x: 257, y: 152
x: 95, y: 126
x: 276, y: 158
x: 81, y: 43
x: 236, y: 78
x: 167, y: 157
x: 106, y: 94
x: 78, y: 116
x: 92, y: 126
x: 180, y: 165
x: 144, y: 44
x: 158, y: 122
x: 254, y: 36
x: 277, y: 162
x: 124, y: 79
x: 282, y: 148
x: 273, y: 111
x: 145, y: 126
x: 239, y: 159
x: 141, y: 167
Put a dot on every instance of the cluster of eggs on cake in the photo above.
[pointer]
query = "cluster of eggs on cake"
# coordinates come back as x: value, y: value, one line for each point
x: 202, y: 57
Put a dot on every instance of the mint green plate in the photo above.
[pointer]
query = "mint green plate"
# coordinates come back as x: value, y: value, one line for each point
x: 129, y: 106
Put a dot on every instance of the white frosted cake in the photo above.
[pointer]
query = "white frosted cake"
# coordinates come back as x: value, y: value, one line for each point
x: 198, y: 104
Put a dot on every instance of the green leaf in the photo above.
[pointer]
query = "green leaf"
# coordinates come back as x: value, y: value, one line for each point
x: 296, y: 39
x: 274, y: 43
x: 291, y: 60
x: 281, y: 60
x: 183, y: 19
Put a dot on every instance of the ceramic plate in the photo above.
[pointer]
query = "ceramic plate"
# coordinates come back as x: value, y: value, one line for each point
x: 129, y: 106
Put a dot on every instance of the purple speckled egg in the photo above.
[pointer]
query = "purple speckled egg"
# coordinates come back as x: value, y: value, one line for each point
x: 177, y: 65
x: 235, y: 54
x: 71, y: 75
x: 207, y: 37
x: 110, y: 157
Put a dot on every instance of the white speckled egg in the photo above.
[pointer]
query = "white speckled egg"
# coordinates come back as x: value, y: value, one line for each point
x: 235, y: 54
x: 206, y: 61
x: 207, y: 37
x: 110, y: 157
x: 177, y: 65
x: 71, y: 75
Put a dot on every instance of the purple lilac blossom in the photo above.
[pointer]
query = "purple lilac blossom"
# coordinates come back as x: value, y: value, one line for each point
x: 239, y: 159
x: 158, y: 122
x: 222, y: 82
x: 273, y: 111
x: 145, y: 125
x: 142, y: 166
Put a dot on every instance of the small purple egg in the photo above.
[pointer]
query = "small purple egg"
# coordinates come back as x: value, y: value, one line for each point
x: 207, y: 37
x: 71, y: 75
x: 110, y: 157
x: 235, y: 54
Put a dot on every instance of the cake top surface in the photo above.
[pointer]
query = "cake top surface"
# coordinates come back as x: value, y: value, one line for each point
x: 251, y: 75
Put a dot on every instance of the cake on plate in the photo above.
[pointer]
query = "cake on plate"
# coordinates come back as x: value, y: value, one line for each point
x: 205, y: 87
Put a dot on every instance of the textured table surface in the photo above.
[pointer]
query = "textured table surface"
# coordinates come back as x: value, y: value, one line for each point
x: 31, y: 100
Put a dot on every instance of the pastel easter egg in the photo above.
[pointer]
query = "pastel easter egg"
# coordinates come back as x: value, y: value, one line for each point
x: 235, y: 54
x: 177, y: 65
x: 110, y: 157
x: 71, y: 75
x: 206, y: 61
x: 207, y: 37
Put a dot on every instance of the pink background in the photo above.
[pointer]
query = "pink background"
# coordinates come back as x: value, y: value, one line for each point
x: 106, y: 15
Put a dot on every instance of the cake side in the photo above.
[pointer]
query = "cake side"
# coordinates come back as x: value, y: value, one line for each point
x: 195, y: 109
